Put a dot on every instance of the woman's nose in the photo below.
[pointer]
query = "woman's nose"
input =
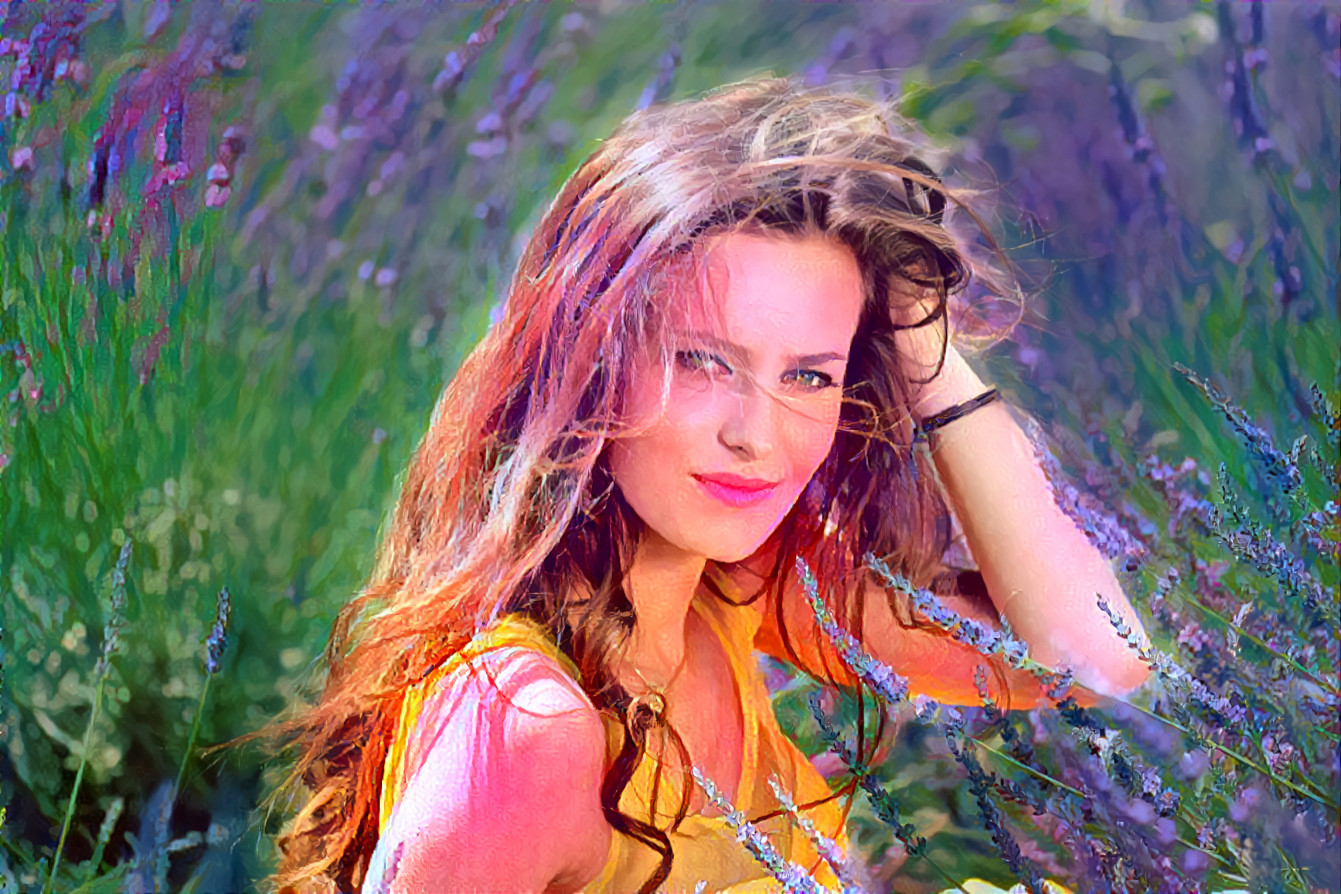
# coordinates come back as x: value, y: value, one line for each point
x: 749, y: 425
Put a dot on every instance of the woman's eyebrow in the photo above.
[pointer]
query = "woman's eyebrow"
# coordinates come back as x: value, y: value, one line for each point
x: 744, y: 353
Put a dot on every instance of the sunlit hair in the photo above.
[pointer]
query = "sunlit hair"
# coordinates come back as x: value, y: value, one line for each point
x: 508, y: 504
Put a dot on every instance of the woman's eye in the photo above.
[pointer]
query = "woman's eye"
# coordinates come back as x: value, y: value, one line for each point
x: 814, y: 380
x: 700, y: 361
x: 810, y: 380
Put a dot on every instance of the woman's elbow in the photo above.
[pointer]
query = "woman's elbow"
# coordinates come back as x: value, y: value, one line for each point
x: 1114, y: 678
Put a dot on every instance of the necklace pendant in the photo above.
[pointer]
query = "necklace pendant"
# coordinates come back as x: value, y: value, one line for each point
x: 652, y: 702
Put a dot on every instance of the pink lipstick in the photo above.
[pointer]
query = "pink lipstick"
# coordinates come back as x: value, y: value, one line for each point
x: 734, y: 490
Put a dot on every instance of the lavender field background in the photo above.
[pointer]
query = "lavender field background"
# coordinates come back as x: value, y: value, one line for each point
x: 242, y: 247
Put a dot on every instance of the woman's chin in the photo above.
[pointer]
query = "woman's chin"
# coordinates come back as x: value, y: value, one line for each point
x: 725, y: 551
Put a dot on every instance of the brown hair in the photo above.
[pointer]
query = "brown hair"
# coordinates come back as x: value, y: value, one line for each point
x: 508, y: 504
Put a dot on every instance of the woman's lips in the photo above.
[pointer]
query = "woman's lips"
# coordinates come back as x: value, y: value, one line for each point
x: 735, y: 495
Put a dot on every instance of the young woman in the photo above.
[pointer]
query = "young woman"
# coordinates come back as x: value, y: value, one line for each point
x: 719, y: 351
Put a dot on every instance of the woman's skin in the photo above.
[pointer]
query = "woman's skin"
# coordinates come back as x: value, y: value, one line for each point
x: 760, y: 400
x: 1042, y: 573
x: 528, y: 815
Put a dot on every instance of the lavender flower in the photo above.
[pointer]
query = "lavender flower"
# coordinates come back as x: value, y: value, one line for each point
x: 111, y: 639
x: 1017, y: 747
x: 1247, y: 119
x: 1254, y: 544
x: 162, y: 857
x: 1182, y: 501
x: 1103, y: 529
x: 874, y: 673
x: 885, y: 805
x: 658, y: 89
x: 111, y: 635
x: 792, y: 877
x: 214, y: 651
x: 1312, y: 526
x: 456, y: 62
x: 1138, y: 141
x: 1168, y: 669
x: 218, y: 638
x: 50, y: 52
x: 981, y: 785
x: 826, y: 847
x: 105, y: 830
x: 1135, y: 778
x: 1057, y: 685
x: 1328, y: 415
x: 964, y: 630
x: 1120, y: 625
x: 1281, y: 466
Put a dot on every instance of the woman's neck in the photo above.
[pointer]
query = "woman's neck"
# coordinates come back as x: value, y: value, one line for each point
x: 662, y: 581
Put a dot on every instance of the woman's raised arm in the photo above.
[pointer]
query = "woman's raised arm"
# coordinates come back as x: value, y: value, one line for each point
x: 503, y: 792
x: 1042, y: 573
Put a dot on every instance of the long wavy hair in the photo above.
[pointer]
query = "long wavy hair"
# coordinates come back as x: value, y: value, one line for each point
x: 508, y: 504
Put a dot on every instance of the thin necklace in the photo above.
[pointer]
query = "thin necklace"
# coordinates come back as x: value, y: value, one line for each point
x: 654, y: 699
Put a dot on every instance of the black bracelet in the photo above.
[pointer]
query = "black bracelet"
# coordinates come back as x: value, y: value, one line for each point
x: 946, y: 416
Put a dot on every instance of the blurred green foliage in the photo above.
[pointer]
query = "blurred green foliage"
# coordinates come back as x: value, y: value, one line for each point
x: 235, y: 389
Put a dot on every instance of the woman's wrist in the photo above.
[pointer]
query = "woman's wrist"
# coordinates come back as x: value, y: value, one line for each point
x: 956, y: 383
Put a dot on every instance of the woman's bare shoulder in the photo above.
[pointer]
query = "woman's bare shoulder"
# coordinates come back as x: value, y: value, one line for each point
x: 513, y: 751
x: 504, y: 684
x: 531, y: 681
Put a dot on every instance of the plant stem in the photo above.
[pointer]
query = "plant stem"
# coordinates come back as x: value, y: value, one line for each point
x: 79, y: 778
x: 27, y: 861
x: 1265, y: 771
x: 1192, y: 844
x: 1064, y: 787
x: 1292, y: 869
x: 1330, y: 687
x: 191, y: 741
x: 862, y: 772
x: 1041, y: 775
x: 945, y: 875
x: 1196, y: 847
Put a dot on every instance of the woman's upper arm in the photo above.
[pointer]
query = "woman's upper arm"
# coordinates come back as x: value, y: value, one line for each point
x: 506, y: 796
x: 934, y: 664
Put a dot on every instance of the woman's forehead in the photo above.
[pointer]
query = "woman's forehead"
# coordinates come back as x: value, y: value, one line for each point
x: 744, y: 286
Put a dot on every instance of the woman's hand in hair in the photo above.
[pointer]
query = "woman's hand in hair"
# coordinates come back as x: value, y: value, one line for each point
x: 1042, y: 572
x: 936, y: 372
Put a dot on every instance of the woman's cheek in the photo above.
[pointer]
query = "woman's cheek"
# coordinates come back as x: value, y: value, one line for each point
x: 815, y: 437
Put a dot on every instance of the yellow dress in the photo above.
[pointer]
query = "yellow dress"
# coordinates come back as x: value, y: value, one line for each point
x: 706, y: 851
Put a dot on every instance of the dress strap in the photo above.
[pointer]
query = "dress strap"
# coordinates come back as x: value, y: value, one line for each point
x: 508, y: 631
x: 735, y: 629
x: 769, y: 751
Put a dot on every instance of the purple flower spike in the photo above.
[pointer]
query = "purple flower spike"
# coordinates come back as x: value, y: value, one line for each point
x: 826, y: 847
x: 111, y: 634
x: 218, y: 636
x: 793, y: 877
x: 1281, y: 466
x: 964, y: 630
x: 879, y: 676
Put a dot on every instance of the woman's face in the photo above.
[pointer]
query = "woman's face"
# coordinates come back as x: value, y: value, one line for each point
x: 752, y: 412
